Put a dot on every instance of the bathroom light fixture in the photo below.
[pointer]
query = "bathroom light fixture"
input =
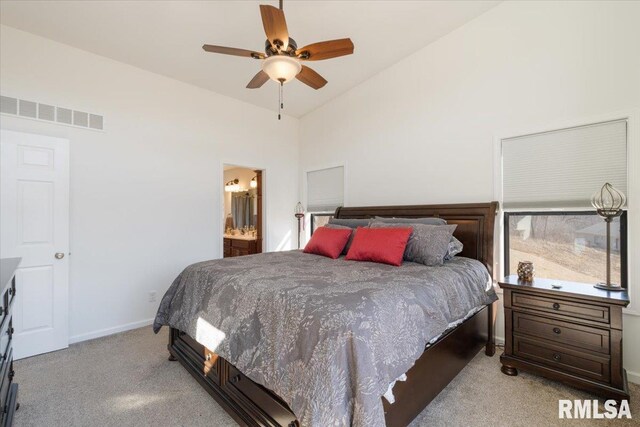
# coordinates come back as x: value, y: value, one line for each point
x: 231, y: 186
x: 254, y: 182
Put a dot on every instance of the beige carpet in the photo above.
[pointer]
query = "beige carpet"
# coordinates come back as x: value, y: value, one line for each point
x: 126, y: 380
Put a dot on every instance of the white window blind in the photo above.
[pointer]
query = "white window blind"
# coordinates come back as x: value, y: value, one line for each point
x: 325, y: 189
x: 563, y: 168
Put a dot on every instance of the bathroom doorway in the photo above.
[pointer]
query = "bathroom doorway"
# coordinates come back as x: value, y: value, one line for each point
x: 243, y: 211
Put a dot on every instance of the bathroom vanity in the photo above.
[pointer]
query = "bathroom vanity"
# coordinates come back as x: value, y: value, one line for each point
x: 239, y: 245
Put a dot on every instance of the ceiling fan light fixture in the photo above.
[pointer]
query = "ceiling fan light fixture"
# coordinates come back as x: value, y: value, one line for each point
x: 281, y: 68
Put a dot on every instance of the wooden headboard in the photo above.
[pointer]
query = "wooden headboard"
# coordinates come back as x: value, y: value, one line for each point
x: 475, y: 223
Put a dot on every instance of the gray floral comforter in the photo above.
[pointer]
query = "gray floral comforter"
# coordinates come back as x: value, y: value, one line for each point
x: 328, y: 336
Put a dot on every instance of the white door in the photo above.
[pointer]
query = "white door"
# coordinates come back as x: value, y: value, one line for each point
x: 34, y: 225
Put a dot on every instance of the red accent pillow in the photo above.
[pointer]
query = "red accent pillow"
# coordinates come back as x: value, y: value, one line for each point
x: 384, y: 245
x: 328, y: 242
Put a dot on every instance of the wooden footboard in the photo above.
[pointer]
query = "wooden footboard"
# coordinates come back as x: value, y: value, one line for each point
x: 248, y: 403
x: 253, y: 405
x: 438, y: 365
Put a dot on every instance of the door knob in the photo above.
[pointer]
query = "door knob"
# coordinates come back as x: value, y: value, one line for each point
x: 59, y: 255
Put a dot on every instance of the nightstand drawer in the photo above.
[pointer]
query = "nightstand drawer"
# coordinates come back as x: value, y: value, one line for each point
x: 556, y: 356
x: 565, y: 333
x: 567, y: 308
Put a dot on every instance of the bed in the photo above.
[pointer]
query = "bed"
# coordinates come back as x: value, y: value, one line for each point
x: 339, y: 332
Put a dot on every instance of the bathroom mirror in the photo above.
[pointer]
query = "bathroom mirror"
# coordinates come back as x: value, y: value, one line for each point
x: 244, y: 208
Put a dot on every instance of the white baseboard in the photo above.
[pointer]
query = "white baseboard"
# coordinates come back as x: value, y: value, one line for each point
x: 633, y: 377
x: 109, y: 331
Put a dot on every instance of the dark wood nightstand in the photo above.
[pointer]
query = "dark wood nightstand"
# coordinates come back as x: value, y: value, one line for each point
x: 572, y: 334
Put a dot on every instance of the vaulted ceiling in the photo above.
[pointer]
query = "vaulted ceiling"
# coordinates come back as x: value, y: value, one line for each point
x: 165, y: 37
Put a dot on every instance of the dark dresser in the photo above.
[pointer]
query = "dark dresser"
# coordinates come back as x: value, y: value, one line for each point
x: 572, y: 334
x: 8, y: 389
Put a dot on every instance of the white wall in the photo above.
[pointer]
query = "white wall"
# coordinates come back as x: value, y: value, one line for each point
x: 146, y: 193
x: 422, y: 131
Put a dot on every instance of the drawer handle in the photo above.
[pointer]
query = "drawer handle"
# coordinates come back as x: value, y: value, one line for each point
x: 208, y: 356
x: 556, y: 306
x: 556, y: 357
x: 556, y: 330
x: 235, y: 379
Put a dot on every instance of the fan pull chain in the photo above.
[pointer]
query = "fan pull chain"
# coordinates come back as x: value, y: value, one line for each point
x: 280, y: 101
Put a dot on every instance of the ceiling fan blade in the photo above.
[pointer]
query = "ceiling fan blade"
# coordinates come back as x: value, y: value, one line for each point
x: 233, y: 51
x: 275, y: 26
x: 325, y: 50
x: 258, y: 80
x: 311, y: 78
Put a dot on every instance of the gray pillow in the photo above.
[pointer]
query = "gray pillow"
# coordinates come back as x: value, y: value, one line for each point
x: 428, y: 244
x: 455, y: 247
x: 344, y: 227
x: 432, y: 220
x: 351, y: 223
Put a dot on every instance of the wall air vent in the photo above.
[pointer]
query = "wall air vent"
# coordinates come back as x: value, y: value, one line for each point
x: 50, y: 113
x: 81, y: 119
x: 27, y: 108
x: 95, y: 121
x: 47, y: 112
x: 8, y: 105
x: 64, y: 115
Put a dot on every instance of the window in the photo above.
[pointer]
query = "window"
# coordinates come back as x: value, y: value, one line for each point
x: 325, y: 193
x: 563, y: 168
x: 319, y: 220
x: 325, y: 189
x: 547, y: 182
x: 566, y: 245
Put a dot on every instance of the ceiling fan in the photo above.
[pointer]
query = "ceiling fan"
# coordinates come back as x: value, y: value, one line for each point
x: 281, y: 60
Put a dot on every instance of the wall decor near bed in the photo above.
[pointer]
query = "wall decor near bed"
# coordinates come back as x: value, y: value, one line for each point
x: 293, y: 363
